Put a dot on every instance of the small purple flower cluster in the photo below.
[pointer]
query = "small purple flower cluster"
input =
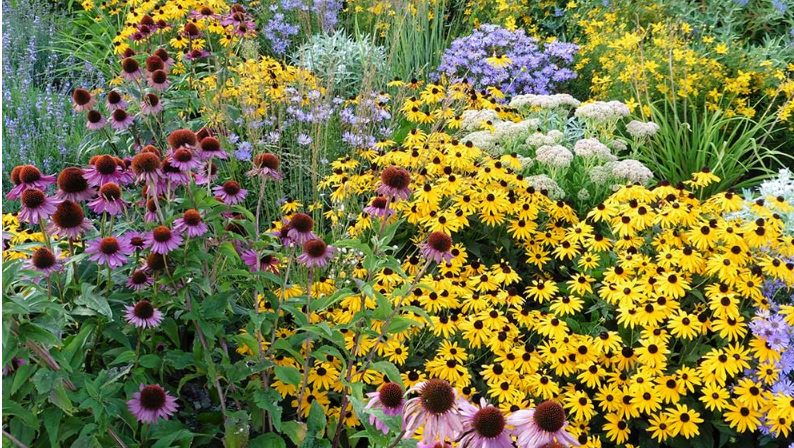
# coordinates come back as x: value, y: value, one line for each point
x: 533, y: 69
x: 280, y: 30
x: 366, y: 121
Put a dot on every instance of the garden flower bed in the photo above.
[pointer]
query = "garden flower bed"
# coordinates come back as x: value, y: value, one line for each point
x: 328, y: 224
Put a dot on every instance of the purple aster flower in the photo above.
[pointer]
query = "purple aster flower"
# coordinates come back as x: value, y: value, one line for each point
x: 389, y: 398
x: 230, y: 192
x: 36, y: 206
x: 437, y: 247
x: 190, y: 223
x: 316, y: 253
x: 151, y: 403
x: 109, y: 251
x: 162, y: 240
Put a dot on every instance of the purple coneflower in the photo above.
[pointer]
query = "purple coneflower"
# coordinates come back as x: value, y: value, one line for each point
x: 162, y: 240
x: 95, y: 121
x: 541, y: 425
x: 191, y: 223
x: 256, y: 262
x: 143, y: 314
x: 191, y: 31
x: 109, y: 200
x: 36, y: 206
x: 15, y: 363
x: 182, y: 138
x: 394, y: 182
x: 28, y: 176
x: 146, y: 166
x: 130, y: 69
x: 437, y: 247
x: 109, y: 251
x: 159, y: 81
x: 204, y: 13
x: 151, y: 104
x: 45, y: 261
x: 230, y: 192
x: 102, y: 170
x: 172, y: 174
x: 165, y: 57
x: 266, y: 165
x: 151, y: 403
x: 153, y: 63
x: 151, y: 210
x: 316, y: 253
x: 389, y: 399
x: 196, y: 55
x: 69, y: 220
x: 283, y: 234
x: 437, y: 408
x: 83, y: 100
x: 207, y: 174
x: 184, y: 159
x: 211, y: 147
x: 379, y: 207
x: 121, y: 120
x: 484, y: 427
x: 139, y: 280
x: 137, y: 240
x: 115, y: 101
x: 300, y: 228
x: 73, y: 186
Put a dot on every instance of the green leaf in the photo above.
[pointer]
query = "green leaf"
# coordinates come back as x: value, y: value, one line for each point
x: 316, y: 421
x: 269, y: 401
x: 44, y: 380
x: 59, y: 398
x: 400, y: 324
x: 14, y: 408
x: 391, y: 371
x: 150, y: 361
x: 94, y: 302
x: 296, y: 431
x: 269, y: 440
x: 236, y: 430
x: 289, y: 375
x: 52, y: 423
x: 29, y: 331
x: 76, y: 343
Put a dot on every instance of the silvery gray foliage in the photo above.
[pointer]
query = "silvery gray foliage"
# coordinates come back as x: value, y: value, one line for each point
x: 346, y: 59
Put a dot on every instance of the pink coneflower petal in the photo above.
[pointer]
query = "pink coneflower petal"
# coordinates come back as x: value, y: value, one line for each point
x: 230, y: 192
x: 151, y: 404
x: 162, y: 240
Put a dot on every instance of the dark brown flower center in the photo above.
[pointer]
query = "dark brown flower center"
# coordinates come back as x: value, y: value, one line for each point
x: 81, y: 97
x: 549, y: 416
x: 120, y: 114
x: 68, y: 215
x: 105, y: 164
x: 438, y: 396
x: 163, y: 54
x: 129, y: 65
x: 139, y: 277
x: 302, y: 222
x: 314, y: 248
x: 93, y: 116
x: 33, y: 198
x: 154, y: 63
x: 109, y: 245
x: 156, y: 262
x: 114, y: 97
x: 380, y: 202
x: 29, y: 174
x: 182, y: 137
x: 152, y: 398
x: 151, y: 100
x: 439, y: 241
x: 159, y: 76
x: 267, y: 160
x: 396, y: 178
x: 161, y: 234
x: 231, y: 188
x: 110, y: 191
x: 391, y: 395
x: 210, y: 144
x: 489, y: 422
x: 145, y: 162
x: 192, y: 217
x: 183, y: 155
x: 43, y: 258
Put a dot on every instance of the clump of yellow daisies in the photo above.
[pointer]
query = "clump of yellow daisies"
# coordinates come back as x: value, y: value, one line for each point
x: 634, y: 318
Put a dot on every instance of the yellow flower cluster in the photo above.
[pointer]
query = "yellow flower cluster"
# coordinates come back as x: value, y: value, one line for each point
x: 666, y: 59
x: 14, y: 235
x: 636, y: 313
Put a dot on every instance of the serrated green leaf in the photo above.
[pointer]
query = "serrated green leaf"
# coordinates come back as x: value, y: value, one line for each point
x: 289, y: 375
x: 269, y: 440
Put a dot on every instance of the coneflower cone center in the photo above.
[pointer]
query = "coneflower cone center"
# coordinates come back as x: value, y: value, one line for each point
x: 549, y: 416
x: 489, y: 422
x: 143, y: 309
x: 391, y: 395
x: 43, y: 258
x: 152, y: 398
x: 438, y: 396
x: 314, y: 248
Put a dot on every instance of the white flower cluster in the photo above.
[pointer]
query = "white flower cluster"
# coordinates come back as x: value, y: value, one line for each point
x: 618, y: 145
x: 551, y: 138
x: 560, y: 100
x: 555, y: 156
x: 510, y: 130
x: 640, y: 129
x: 632, y: 170
x: 770, y: 190
x: 601, y: 111
x: 485, y: 140
x: 471, y: 120
x: 591, y: 148
x: 526, y: 162
x: 544, y: 182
